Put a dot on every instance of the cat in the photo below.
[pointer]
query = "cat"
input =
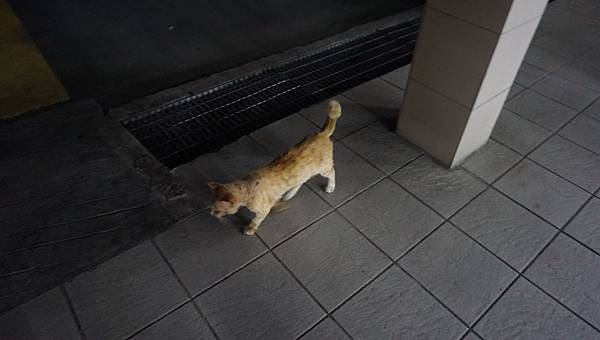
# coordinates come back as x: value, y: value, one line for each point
x: 268, y: 188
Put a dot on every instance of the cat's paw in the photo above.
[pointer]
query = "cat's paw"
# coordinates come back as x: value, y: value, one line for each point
x: 249, y: 231
x: 329, y: 188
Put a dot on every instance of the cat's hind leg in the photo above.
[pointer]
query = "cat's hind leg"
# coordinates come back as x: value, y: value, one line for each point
x: 330, y: 175
x: 291, y: 193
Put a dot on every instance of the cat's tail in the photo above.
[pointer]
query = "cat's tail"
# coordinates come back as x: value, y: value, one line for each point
x: 280, y: 206
x: 334, y: 112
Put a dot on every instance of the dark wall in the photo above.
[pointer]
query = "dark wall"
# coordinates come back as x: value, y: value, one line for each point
x: 117, y: 50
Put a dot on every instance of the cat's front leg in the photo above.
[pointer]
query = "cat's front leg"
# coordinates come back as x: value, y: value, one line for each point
x: 255, y: 223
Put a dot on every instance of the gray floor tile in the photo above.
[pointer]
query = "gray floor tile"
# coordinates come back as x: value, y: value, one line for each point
x: 591, y: 55
x: 545, y: 59
x: 390, y: 217
x: 529, y: 74
x: 525, y: 312
x: 571, y: 273
x: 381, y: 98
x: 45, y: 317
x: 382, y: 147
x: 204, y: 249
x: 184, y: 323
x: 305, y: 208
x: 458, y: 271
x: 471, y: 336
x: 505, y: 228
x: 353, y: 174
x: 593, y: 110
x: 194, y: 182
x: 331, y: 259
x: 570, y: 161
x: 515, y: 89
x: 125, y: 293
x: 262, y: 301
x: 399, y: 77
x: 518, y: 133
x: 584, y: 131
x: 541, y: 110
x: 444, y: 190
x: 395, y: 307
x: 584, y: 226
x: 582, y: 72
x: 566, y: 92
x: 354, y: 116
x: 570, y: 26
x: 280, y: 136
x: 564, y: 47
x: 541, y: 191
x: 491, y: 161
x: 233, y: 161
x: 326, y: 329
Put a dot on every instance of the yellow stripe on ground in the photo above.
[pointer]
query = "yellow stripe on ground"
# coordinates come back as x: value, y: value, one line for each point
x: 26, y: 80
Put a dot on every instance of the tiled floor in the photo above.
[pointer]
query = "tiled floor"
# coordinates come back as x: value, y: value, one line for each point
x: 505, y: 247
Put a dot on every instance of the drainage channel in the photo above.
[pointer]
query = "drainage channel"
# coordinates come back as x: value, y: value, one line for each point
x: 184, y: 129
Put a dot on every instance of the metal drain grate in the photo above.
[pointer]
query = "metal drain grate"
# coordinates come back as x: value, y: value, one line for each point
x: 187, y: 128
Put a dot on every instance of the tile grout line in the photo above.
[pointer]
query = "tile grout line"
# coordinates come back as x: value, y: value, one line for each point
x: 335, y: 209
x: 186, y: 291
x: 554, y: 100
x: 352, y: 197
x: 299, y: 282
x: 568, y: 10
x: 578, y: 110
x: 573, y: 60
x: 392, y: 84
x: 227, y: 276
x: 64, y: 292
x: 157, y: 319
x: 558, y: 130
x: 522, y: 156
x: 412, y: 247
x: 559, y: 231
x: 521, y: 274
x: 308, y: 225
x: 490, y: 185
x: 540, y: 164
x: 459, y: 319
x: 588, y: 116
x: 577, y: 143
x: 525, y: 157
x: 315, y: 326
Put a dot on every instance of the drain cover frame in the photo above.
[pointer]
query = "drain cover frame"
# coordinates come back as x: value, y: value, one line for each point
x: 181, y: 130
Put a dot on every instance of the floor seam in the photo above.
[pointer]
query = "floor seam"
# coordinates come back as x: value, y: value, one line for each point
x: 65, y: 294
x: 186, y: 291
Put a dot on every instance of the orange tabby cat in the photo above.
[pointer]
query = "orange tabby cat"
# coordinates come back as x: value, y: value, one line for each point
x: 265, y: 189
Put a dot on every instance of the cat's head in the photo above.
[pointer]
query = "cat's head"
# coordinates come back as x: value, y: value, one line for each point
x: 225, y: 199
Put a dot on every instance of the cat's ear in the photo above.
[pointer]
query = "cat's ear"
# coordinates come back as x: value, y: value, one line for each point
x: 213, y: 185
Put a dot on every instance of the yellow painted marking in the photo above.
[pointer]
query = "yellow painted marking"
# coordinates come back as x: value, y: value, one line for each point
x: 26, y: 80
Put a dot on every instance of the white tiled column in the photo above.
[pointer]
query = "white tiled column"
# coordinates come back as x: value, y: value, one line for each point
x: 467, y: 56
